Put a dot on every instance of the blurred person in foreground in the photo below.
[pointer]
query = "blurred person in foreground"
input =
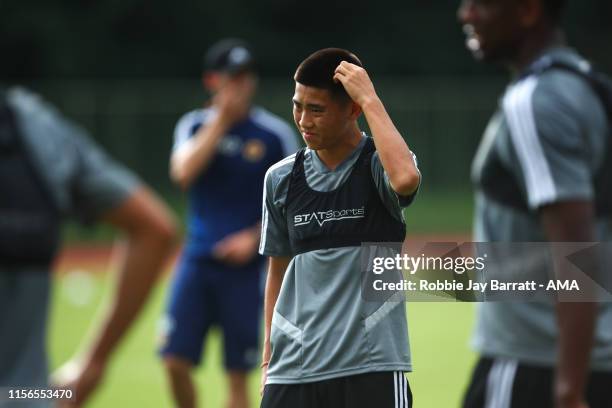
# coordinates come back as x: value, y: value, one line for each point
x: 220, y: 157
x: 325, y: 344
x: 535, y: 176
x: 49, y: 170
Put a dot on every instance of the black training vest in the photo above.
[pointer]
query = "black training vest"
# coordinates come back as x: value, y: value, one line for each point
x: 345, y: 217
x: 29, y: 219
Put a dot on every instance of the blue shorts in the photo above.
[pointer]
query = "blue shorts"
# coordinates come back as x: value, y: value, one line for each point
x: 206, y: 292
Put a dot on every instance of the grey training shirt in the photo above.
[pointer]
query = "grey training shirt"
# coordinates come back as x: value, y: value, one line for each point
x: 322, y: 328
x: 549, y: 131
x: 83, y: 180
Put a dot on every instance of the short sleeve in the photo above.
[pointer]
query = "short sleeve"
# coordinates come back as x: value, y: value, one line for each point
x: 552, y: 124
x: 274, y: 230
x: 282, y: 131
x: 82, y: 179
x: 393, y: 202
x: 100, y: 184
x: 188, y: 125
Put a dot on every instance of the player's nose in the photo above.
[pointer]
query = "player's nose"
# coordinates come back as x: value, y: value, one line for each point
x: 305, y: 120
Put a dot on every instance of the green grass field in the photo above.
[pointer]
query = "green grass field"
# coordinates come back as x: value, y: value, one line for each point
x: 439, y: 335
x: 439, y: 332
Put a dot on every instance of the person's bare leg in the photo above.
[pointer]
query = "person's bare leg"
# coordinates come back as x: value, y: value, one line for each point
x: 238, y: 395
x: 178, y: 371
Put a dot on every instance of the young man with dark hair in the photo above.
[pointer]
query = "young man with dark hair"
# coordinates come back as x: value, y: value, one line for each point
x: 325, y: 346
x: 535, y: 175
x: 221, y: 154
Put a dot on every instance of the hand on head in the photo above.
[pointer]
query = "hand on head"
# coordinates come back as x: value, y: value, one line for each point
x: 356, y: 82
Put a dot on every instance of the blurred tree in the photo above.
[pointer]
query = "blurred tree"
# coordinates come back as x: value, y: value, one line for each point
x: 154, y: 38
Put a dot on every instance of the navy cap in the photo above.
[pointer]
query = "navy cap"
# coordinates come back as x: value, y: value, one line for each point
x: 229, y: 55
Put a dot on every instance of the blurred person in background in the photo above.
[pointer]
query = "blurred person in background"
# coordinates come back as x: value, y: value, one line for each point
x: 220, y: 157
x: 50, y: 169
x: 536, y: 174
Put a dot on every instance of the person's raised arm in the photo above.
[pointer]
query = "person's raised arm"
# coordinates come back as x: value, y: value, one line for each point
x: 195, y: 154
x: 150, y: 237
x: 395, y: 156
x: 276, y: 271
x: 192, y: 157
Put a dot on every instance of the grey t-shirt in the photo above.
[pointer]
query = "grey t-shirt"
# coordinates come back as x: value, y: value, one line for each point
x: 83, y: 180
x: 322, y: 328
x: 549, y: 131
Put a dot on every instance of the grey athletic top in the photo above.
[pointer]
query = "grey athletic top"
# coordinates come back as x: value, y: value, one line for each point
x: 322, y: 328
x: 83, y: 180
x: 549, y: 131
x: 84, y: 183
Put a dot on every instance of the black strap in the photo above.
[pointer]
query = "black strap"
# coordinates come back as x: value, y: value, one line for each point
x: 599, y: 82
x: 602, y: 86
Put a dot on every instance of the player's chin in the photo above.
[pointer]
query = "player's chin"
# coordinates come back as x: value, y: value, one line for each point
x: 313, y: 145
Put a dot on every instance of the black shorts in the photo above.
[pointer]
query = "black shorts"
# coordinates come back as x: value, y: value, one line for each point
x: 505, y: 383
x: 381, y: 390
